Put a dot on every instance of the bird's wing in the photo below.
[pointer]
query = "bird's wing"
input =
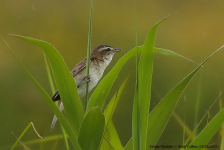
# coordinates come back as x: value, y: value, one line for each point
x: 79, y: 67
x: 56, y: 96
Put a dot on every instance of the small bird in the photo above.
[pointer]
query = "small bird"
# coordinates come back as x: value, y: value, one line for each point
x: 100, y: 58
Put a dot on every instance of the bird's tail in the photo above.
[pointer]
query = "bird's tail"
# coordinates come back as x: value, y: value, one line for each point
x: 61, y: 108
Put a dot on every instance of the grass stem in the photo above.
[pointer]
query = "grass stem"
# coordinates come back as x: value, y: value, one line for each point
x: 88, y: 55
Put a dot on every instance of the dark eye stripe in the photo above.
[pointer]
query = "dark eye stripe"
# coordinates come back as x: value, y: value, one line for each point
x: 106, y: 49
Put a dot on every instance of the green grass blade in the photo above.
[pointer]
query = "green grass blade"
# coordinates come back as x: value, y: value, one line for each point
x: 50, y: 78
x: 24, y: 131
x: 112, y: 141
x: 88, y: 55
x: 206, y: 114
x: 208, y: 132
x: 56, y: 111
x: 105, y: 143
x: 109, y: 111
x: 197, y: 104
x: 65, y: 83
x: 222, y: 137
x: 114, y: 138
x: 112, y: 135
x: 160, y: 115
x: 144, y: 87
x: 65, y: 137
x: 99, y: 95
x: 171, y: 53
x: 181, y: 122
x: 46, y: 139
x: 222, y: 127
x: 136, y: 130
x: 91, y: 130
x: 136, y: 110
x: 129, y: 145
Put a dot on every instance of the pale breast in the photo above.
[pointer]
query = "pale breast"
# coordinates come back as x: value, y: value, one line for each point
x: 96, y: 71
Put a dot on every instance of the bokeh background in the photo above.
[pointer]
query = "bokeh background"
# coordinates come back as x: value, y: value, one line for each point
x: 194, y: 31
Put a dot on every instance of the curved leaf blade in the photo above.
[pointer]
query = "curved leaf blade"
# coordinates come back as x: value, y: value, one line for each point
x: 160, y: 115
x: 91, y: 130
x: 65, y: 83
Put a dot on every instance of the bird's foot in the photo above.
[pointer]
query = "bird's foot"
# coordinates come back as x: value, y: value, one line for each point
x: 87, y: 79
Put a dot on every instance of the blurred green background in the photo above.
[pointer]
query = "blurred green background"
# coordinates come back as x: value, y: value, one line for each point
x: 195, y: 31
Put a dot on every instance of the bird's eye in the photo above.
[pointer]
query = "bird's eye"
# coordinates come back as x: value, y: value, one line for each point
x: 108, y: 49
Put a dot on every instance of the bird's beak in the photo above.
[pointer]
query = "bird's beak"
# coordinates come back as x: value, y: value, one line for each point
x: 116, y: 50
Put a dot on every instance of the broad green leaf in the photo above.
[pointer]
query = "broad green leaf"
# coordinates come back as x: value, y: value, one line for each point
x: 91, y: 130
x: 65, y: 83
x: 99, y: 95
x: 142, y: 100
x: 56, y: 111
x: 160, y: 115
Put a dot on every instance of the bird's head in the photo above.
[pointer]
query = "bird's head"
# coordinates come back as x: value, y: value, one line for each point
x: 104, y: 52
